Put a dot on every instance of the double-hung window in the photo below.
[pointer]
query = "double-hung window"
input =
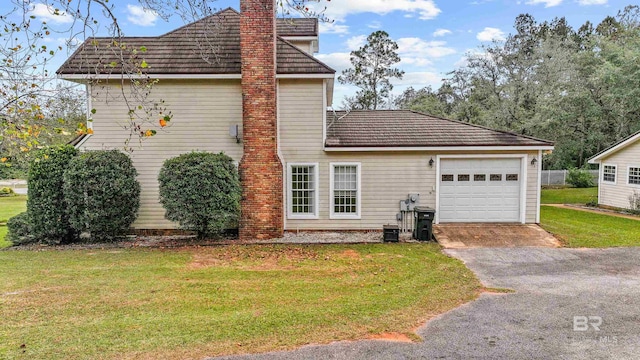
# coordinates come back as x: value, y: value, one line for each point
x: 634, y: 175
x: 345, y: 190
x: 303, y: 191
x: 609, y: 174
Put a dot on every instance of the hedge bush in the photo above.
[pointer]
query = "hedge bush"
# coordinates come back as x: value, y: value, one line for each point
x: 46, y: 203
x: 201, y: 191
x: 580, y: 178
x: 102, y: 194
x: 20, y: 232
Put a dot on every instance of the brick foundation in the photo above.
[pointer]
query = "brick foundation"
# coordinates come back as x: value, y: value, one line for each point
x: 260, y: 168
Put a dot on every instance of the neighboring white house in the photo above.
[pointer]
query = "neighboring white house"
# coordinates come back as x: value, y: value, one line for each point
x: 619, y: 172
x: 342, y: 171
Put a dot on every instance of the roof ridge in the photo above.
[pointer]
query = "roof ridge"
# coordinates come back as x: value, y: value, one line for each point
x: 304, y: 53
x: 483, y: 127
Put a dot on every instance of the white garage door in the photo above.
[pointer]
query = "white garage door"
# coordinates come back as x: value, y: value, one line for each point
x: 479, y: 190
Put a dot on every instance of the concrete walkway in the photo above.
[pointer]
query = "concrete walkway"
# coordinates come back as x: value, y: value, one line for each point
x: 600, y: 211
x: 567, y: 304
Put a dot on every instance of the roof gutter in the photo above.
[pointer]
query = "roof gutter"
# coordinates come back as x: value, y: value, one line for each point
x: 439, y: 148
x: 84, y: 77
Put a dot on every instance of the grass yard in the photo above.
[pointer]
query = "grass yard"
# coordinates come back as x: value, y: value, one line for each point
x: 9, y: 206
x: 197, y: 302
x: 583, y: 229
x: 569, y: 195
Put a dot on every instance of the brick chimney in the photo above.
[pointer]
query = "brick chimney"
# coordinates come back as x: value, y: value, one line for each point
x: 260, y: 168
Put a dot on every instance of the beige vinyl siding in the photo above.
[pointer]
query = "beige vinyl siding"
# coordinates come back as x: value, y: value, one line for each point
x: 303, y: 45
x: 202, y: 113
x: 532, y: 187
x: 386, y: 177
x: 617, y: 194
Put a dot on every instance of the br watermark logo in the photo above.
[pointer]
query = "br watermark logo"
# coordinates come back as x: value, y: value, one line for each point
x: 584, y: 323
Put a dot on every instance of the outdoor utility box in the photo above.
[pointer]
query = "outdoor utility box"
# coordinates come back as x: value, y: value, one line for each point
x: 424, y: 217
x: 391, y: 233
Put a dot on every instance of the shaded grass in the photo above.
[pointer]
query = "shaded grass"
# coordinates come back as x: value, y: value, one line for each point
x: 569, y: 195
x: 9, y: 207
x: 197, y: 302
x: 3, y: 232
x: 584, y: 229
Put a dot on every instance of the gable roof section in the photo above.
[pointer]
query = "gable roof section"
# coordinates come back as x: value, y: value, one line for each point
x: 410, y: 129
x: 207, y: 46
x: 297, y: 27
x: 629, y: 140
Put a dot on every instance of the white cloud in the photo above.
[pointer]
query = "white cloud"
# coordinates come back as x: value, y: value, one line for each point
x: 339, y: 10
x: 356, y: 42
x: 337, y: 61
x: 592, y: 2
x: 48, y: 14
x: 333, y: 28
x: 417, y: 48
x: 547, y: 3
x: 374, y: 25
x: 490, y: 34
x: 419, y: 79
x: 441, y: 32
x: 141, y: 16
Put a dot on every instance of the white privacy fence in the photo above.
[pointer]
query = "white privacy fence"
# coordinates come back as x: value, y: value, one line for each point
x: 559, y: 177
x: 18, y: 186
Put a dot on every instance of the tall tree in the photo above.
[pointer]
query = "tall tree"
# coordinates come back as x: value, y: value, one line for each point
x: 371, y: 72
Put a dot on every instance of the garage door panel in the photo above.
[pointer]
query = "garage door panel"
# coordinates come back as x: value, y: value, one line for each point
x: 480, y: 199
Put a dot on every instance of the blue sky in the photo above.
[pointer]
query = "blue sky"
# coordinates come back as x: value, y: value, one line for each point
x: 433, y: 35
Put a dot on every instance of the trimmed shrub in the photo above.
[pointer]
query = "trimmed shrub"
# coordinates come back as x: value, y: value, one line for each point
x: 46, y: 204
x: 201, y: 191
x: 102, y: 194
x: 580, y: 178
x: 6, y: 191
x: 20, y: 230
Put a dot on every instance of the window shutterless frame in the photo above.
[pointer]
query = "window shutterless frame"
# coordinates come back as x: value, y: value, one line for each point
x: 633, y: 175
x: 609, y: 173
x: 302, y: 190
x: 344, y: 189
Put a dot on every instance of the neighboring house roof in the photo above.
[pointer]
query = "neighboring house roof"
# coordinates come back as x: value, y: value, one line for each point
x: 615, y: 148
x: 208, y: 46
x: 408, y: 129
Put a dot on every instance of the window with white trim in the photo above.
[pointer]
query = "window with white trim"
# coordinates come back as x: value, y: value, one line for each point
x: 345, y: 190
x: 609, y: 173
x: 303, y: 190
x: 634, y: 175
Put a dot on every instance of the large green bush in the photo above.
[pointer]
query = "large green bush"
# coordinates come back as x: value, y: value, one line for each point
x: 201, y: 191
x: 46, y: 203
x: 20, y: 230
x: 102, y: 194
x: 580, y: 178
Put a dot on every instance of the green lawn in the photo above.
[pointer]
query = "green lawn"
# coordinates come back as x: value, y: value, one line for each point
x: 9, y: 206
x: 569, y: 196
x: 12, y: 205
x: 584, y: 229
x: 197, y: 302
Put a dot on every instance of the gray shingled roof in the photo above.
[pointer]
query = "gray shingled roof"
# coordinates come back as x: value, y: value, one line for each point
x: 405, y: 128
x: 207, y: 46
x: 297, y: 27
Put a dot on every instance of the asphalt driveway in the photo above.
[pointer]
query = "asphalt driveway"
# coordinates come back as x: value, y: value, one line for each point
x: 567, y: 304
